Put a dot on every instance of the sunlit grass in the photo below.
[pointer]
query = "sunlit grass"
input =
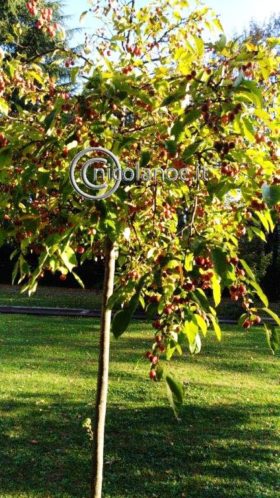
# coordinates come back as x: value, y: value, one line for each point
x: 226, y: 444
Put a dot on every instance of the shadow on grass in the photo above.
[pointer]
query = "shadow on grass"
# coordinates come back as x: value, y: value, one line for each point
x: 45, y: 451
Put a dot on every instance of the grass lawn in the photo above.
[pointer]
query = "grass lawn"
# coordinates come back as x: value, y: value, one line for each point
x: 225, y: 446
x: 60, y: 297
x: 54, y: 297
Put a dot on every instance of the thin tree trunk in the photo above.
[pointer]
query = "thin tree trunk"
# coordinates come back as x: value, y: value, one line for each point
x: 103, y: 374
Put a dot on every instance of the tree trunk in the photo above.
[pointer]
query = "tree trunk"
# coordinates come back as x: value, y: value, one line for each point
x: 103, y: 373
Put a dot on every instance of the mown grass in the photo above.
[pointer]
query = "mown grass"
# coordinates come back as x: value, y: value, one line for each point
x: 53, y: 297
x: 226, y: 445
x: 59, y: 297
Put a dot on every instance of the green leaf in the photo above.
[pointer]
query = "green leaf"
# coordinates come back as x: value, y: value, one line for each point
x: 271, y: 194
x: 201, y: 323
x: 247, y: 269
x: 159, y: 372
x: 191, y: 116
x: 123, y: 317
x: 69, y: 259
x: 50, y: 119
x: 4, y: 107
x: 5, y: 157
x: 220, y: 189
x: 11, y: 68
x: 222, y: 266
x: 260, y: 293
x: 263, y: 220
x: 199, y: 296
x: 251, y: 92
x: 174, y: 97
x: 177, y: 129
x: 238, y: 80
x: 190, y: 150
x: 273, y: 338
x: 259, y: 233
x: 217, y: 294
x: 171, y: 146
x: 175, y: 393
x: 195, y: 346
x: 145, y: 158
x: 220, y: 45
x: 216, y: 327
x: 272, y: 314
x: 188, y: 264
x: 77, y: 278
x: 191, y: 330
x: 220, y: 261
x: 120, y: 322
x: 74, y: 73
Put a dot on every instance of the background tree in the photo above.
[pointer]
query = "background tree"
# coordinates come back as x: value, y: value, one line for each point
x: 265, y: 258
x: 157, y: 92
x: 20, y: 32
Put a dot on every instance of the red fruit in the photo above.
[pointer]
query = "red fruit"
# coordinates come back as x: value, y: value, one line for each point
x: 189, y: 286
x: 80, y: 250
x: 259, y: 138
x: 257, y: 204
x: 240, y: 272
x: 242, y: 289
x: 38, y: 25
x: 154, y: 360
x: 65, y: 152
x: 62, y: 277
x: 153, y: 374
x: 159, y: 259
x: 257, y: 320
x: 154, y: 299
x: 157, y: 324
x: 246, y: 324
x: 241, y: 231
x: 168, y: 309
x: 225, y: 119
x: 200, y: 261
x: 149, y: 355
x: 3, y: 141
x: 93, y: 143
x: 200, y: 211
x: 234, y: 260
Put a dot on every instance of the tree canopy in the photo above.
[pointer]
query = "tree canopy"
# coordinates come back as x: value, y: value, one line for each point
x: 158, y: 92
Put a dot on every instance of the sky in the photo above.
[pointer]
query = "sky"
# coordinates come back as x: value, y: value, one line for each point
x: 235, y: 14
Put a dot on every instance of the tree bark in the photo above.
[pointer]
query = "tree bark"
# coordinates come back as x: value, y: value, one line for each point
x: 103, y: 374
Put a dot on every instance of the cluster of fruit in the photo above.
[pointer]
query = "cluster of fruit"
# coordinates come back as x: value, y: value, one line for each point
x: 229, y: 169
x: 213, y: 119
x: 153, y: 357
x: 32, y: 7
x: 237, y: 291
x: 69, y: 62
x: 45, y: 18
x: 223, y: 148
x: 253, y: 320
x: 134, y: 50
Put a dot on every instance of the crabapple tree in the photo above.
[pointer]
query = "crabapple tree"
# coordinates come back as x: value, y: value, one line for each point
x: 158, y: 91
